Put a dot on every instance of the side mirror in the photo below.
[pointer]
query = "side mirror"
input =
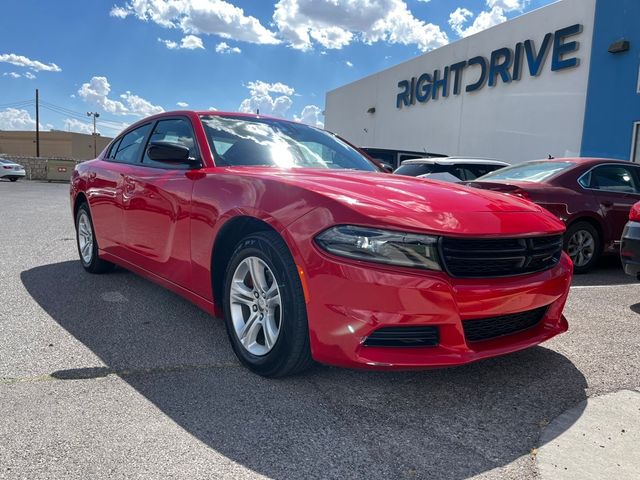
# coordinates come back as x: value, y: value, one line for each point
x: 386, y: 168
x: 168, y: 152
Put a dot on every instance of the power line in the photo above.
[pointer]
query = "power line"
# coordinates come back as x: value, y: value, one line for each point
x: 79, y: 117
x: 24, y: 103
x: 64, y: 111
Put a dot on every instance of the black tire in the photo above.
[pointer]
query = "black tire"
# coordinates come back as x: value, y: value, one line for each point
x: 291, y: 352
x: 584, y: 228
x: 13, y: 179
x: 95, y: 264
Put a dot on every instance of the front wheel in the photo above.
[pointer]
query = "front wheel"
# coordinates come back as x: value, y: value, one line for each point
x: 14, y: 179
x: 87, y: 244
x: 264, y: 307
x: 582, y: 243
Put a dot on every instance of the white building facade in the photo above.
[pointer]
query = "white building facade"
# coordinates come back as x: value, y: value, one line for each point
x: 562, y: 81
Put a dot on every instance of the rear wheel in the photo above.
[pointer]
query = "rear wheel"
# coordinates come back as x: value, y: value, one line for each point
x: 13, y: 179
x: 264, y: 307
x: 87, y: 244
x: 582, y: 243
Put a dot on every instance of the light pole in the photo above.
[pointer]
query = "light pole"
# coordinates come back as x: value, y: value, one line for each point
x: 95, y: 134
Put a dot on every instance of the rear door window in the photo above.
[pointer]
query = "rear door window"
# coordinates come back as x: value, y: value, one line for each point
x: 129, y: 149
x: 612, y: 178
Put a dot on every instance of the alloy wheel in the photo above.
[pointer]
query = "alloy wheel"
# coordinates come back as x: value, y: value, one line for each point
x: 85, y: 238
x: 256, y: 306
x: 581, y: 248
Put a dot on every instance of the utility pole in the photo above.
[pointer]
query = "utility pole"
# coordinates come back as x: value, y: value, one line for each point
x: 37, y: 123
x: 95, y: 134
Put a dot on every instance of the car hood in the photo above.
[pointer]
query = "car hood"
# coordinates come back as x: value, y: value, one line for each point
x: 419, y: 204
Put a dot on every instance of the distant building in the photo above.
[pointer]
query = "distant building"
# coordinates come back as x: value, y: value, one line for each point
x: 78, y: 146
x: 561, y: 80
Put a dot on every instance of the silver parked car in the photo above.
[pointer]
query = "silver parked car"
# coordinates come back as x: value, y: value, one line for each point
x: 10, y: 170
x: 449, y: 169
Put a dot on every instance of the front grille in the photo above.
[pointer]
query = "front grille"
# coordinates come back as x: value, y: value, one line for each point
x: 493, y: 327
x: 482, y: 258
x: 404, y: 337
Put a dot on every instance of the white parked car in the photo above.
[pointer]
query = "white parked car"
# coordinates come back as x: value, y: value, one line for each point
x: 449, y: 169
x: 10, y: 170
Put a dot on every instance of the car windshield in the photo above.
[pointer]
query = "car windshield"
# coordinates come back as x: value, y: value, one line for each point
x: 414, y: 169
x: 528, y: 172
x: 2, y: 160
x: 247, y: 141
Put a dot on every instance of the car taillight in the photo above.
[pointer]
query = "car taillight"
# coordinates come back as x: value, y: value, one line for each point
x: 634, y: 214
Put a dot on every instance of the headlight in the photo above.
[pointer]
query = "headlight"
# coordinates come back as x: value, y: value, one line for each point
x: 382, y: 246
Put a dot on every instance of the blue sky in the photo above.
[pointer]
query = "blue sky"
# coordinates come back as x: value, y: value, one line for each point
x: 129, y: 58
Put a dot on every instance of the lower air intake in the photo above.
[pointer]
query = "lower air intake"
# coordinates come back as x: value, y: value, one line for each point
x: 493, y: 327
x: 404, y: 337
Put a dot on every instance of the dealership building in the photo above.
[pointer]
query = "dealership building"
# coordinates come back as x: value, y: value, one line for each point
x: 563, y: 80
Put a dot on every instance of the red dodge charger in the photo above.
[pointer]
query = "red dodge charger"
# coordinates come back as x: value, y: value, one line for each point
x: 309, y: 252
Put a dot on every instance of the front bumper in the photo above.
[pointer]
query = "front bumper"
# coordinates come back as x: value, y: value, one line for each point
x: 349, y: 300
x: 630, y: 249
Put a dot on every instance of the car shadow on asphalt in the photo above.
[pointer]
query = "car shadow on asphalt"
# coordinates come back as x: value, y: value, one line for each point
x: 326, y: 423
x: 608, y: 271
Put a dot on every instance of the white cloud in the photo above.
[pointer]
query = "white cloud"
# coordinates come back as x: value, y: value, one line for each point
x: 262, y: 100
x: 73, y: 125
x: 119, y: 12
x: 264, y: 88
x: 484, y: 20
x: 16, y: 119
x: 22, y: 61
x: 348, y: 63
x: 182, y: 104
x: 336, y: 23
x: 189, y: 42
x: 208, y: 17
x: 170, y: 44
x: 139, y: 106
x: 97, y: 90
x: 507, y: 5
x: 28, y: 75
x: 222, y: 47
x: 311, y: 115
x: 459, y: 19
x: 213, y: 109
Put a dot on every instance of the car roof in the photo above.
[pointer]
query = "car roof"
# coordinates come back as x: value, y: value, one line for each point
x: 191, y: 113
x: 582, y: 160
x: 454, y: 161
x: 402, y: 150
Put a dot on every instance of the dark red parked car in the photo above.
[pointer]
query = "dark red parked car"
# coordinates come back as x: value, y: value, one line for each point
x: 592, y: 196
x: 309, y: 252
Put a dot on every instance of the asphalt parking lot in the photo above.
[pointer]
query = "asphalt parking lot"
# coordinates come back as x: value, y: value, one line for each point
x: 114, y: 377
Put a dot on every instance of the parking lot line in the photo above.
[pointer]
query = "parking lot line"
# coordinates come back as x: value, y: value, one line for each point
x: 580, y: 287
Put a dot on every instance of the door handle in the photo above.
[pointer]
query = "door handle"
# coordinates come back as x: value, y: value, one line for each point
x: 607, y: 204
